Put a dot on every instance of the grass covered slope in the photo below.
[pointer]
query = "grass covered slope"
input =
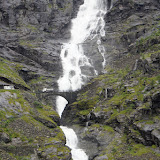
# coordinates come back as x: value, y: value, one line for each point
x: 123, y: 102
x: 28, y: 128
x: 117, y: 113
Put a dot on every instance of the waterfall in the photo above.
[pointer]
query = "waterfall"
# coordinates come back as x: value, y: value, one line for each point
x: 72, y: 142
x: 88, y: 25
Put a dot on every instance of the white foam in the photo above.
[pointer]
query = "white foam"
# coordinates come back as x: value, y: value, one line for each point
x: 88, y: 24
x: 72, y: 143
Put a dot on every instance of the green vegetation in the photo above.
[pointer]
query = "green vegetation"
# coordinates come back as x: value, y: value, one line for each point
x: 37, y: 104
x: 50, y: 5
x: 108, y: 128
x: 46, y: 114
x: 37, y: 83
x: 154, y: 35
x: 84, y: 112
x: 18, y: 99
x: 120, y: 148
x: 8, y: 70
x: 150, y: 42
x: 18, y: 122
x: 27, y: 43
x: 128, y: 105
x: 149, y: 54
x: 97, y: 109
x: 123, y: 101
x: 115, y: 106
x: 32, y: 27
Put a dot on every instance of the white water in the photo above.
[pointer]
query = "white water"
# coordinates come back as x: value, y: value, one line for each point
x: 72, y: 142
x: 60, y: 105
x: 88, y: 25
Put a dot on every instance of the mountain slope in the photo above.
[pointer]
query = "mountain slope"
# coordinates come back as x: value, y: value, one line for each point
x: 117, y: 113
x: 30, y: 43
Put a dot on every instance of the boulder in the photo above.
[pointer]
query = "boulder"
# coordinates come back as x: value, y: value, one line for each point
x: 156, y: 136
x: 156, y: 102
x: 47, y: 123
x: 142, y: 65
x: 101, y: 158
x: 4, y: 138
x: 156, y: 60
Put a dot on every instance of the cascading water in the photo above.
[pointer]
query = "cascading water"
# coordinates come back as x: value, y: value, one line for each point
x: 72, y: 142
x: 88, y: 25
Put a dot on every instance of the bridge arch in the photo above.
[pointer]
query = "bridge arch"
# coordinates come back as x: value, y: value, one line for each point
x: 69, y: 96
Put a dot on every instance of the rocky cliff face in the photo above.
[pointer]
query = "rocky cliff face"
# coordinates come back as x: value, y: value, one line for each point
x: 116, y: 115
x: 31, y: 34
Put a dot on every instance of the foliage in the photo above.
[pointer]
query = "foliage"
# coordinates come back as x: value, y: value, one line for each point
x: 8, y: 70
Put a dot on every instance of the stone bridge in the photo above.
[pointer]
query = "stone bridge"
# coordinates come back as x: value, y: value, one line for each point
x: 70, y: 96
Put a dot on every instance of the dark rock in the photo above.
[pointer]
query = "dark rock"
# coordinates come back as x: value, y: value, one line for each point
x: 4, y: 138
x: 30, y: 32
x: 101, y: 158
x: 46, y: 122
x: 122, y: 118
x: 156, y: 136
x: 107, y: 93
x: 156, y: 60
x: 27, y: 75
x: 16, y: 141
x: 99, y: 117
x: 45, y: 154
x: 146, y: 98
x: 156, y: 102
x: 135, y: 134
x: 142, y: 65
x: 22, y: 150
x: 55, y: 119
x: 132, y: 104
x: 87, y: 70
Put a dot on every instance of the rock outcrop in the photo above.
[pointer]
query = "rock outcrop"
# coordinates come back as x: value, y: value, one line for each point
x: 117, y: 113
x: 31, y: 35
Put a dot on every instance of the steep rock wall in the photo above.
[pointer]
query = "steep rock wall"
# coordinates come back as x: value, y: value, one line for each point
x: 31, y: 33
x: 30, y: 41
x: 117, y: 113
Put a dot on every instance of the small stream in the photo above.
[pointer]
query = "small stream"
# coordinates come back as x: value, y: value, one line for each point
x: 89, y: 24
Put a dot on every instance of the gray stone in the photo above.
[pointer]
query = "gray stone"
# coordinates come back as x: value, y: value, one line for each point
x: 46, y: 122
x: 16, y: 141
x: 156, y: 133
x: 4, y: 138
x: 102, y: 158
